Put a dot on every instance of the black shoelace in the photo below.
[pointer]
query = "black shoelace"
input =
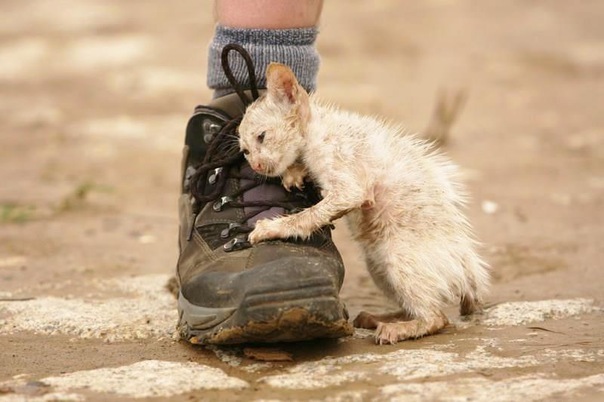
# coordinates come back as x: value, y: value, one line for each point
x: 222, y: 154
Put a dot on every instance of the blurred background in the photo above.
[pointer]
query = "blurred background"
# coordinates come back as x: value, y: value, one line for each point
x: 95, y: 96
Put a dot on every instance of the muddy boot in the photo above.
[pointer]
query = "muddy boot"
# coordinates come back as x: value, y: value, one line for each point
x: 232, y: 292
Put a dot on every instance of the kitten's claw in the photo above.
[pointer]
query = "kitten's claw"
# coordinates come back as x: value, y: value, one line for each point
x: 288, y: 186
x: 388, y: 334
x: 290, y: 181
x: 294, y: 177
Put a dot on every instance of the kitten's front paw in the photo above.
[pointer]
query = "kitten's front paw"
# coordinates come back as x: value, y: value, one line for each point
x: 290, y: 181
x: 266, y: 229
x: 294, y: 177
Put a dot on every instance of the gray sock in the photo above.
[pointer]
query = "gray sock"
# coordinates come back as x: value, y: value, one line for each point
x: 293, y: 47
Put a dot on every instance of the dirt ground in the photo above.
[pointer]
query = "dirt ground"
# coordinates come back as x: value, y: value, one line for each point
x: 94, y: 99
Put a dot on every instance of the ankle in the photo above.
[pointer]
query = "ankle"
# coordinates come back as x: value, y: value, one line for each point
x: 293, y: 47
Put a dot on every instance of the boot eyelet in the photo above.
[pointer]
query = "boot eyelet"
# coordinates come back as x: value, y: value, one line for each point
x: 235, y: 244
x: 214, y: 176
x: 227, y: 232
x: 210, y: 129
x: 217, y: 207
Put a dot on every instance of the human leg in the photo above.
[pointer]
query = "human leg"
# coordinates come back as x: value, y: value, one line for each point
x: 283, y: 31
x: 268, y: 14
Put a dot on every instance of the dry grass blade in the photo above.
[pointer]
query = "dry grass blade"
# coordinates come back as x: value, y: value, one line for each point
x: 448, y: 109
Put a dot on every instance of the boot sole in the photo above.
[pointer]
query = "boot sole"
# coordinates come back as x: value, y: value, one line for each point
x: 312, y: 310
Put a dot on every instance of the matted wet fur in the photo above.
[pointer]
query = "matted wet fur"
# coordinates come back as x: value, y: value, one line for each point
x: 401, y: 198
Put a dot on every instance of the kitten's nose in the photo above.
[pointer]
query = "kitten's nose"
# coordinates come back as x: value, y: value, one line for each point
x: 257, y: 166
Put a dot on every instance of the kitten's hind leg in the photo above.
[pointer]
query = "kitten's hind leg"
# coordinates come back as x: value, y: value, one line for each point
x: 393, y: 332
x: 371, y: 321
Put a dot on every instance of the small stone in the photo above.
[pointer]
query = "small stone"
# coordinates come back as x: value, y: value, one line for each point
x: 489, y: 207
x: 146, y: 239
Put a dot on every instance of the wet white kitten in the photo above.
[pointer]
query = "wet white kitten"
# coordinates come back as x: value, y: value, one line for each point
x: 402, y: 201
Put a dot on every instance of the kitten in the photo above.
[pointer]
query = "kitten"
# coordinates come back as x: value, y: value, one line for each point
x: 402, y: 201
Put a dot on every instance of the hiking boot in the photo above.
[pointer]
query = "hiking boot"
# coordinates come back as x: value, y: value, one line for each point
x: 233, y: 292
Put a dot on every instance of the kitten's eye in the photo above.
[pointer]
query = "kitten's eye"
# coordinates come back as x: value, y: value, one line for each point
x: 245, y: 151
x: 261, y: 137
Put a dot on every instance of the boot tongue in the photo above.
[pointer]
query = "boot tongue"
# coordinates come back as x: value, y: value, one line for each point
x: 262, y: 192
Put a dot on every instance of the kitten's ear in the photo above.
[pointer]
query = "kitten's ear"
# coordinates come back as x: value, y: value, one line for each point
x: 282, y: 84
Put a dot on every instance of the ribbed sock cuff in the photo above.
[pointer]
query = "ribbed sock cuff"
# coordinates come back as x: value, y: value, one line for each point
x: 292, y: 47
